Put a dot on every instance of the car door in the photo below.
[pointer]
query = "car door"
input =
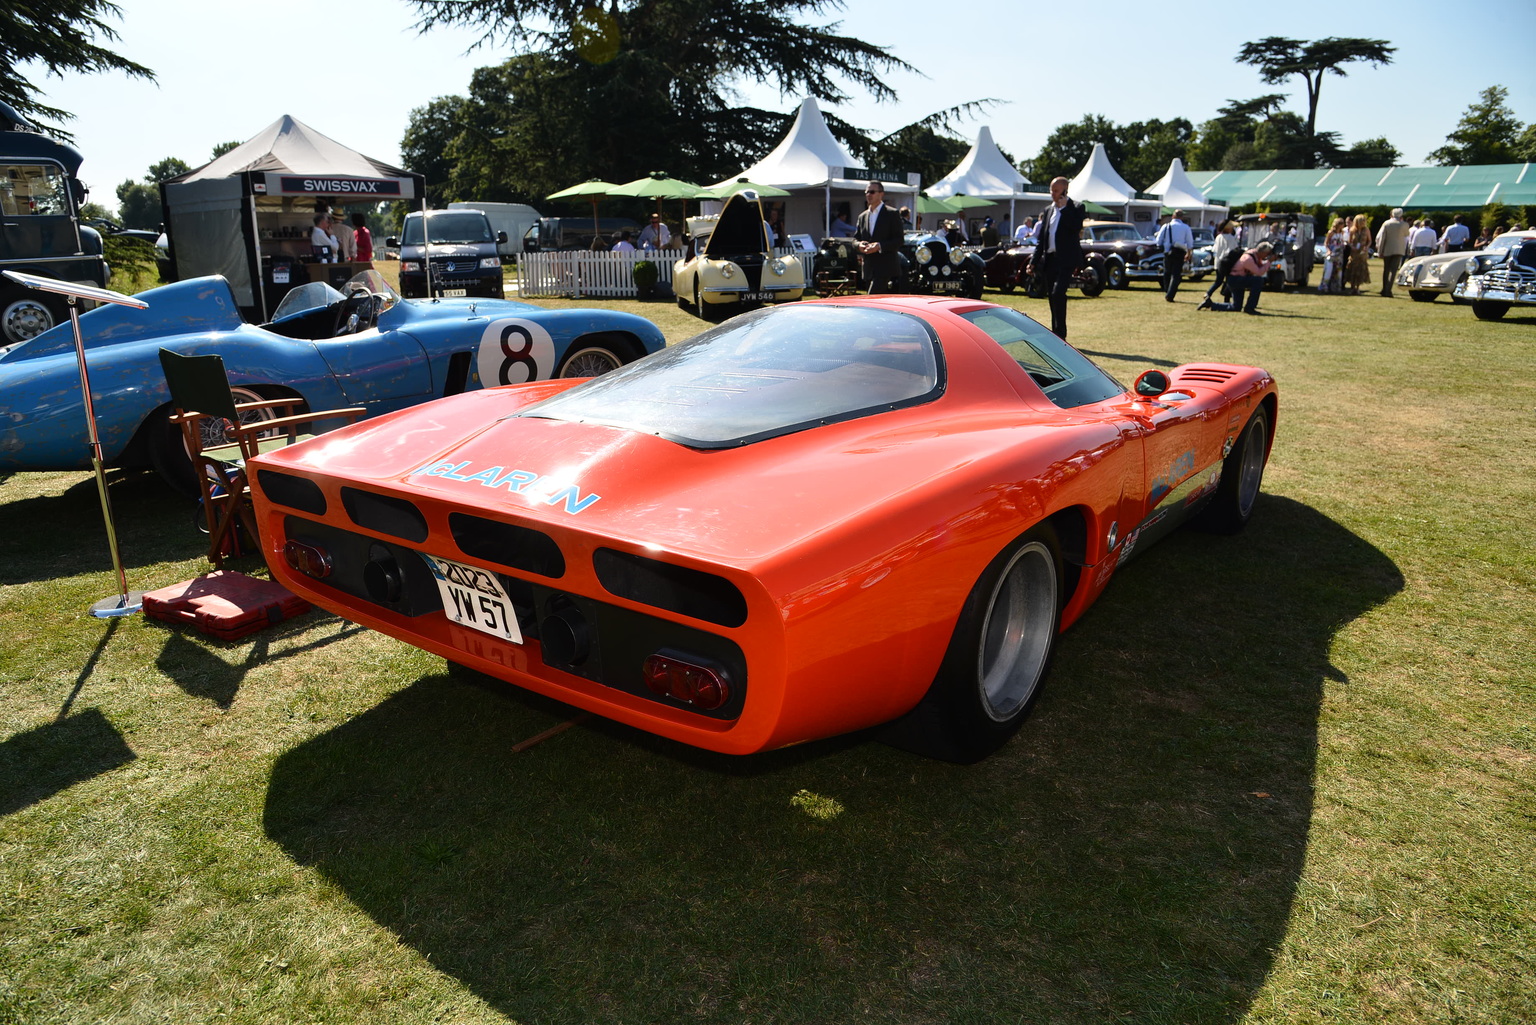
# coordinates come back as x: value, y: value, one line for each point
x: 379, y: 370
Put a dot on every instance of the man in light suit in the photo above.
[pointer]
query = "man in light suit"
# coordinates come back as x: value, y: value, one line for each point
x: 878, y: 234
x: 1059, y: 247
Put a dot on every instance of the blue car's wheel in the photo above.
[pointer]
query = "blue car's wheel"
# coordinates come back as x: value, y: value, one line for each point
x: 590, y: 361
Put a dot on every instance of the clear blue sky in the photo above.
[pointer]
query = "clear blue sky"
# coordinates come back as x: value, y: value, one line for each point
x: 354, y: 71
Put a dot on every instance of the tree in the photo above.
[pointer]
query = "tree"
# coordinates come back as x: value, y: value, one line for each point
x: 1068, y: 148
x: 1368, y: 153
x: 1279, y: 58
x: 58, y: 35
x: 138, y: 203
x: 1488, y: 133
x: 223, y: 148
x: 631, y: 87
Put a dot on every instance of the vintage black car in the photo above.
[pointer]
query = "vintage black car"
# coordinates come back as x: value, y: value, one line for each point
x: 1012, y: 266
x: 1498, y: 281
x: 930, y: 265
x: 1293, y: 237
x: 1126, y: 252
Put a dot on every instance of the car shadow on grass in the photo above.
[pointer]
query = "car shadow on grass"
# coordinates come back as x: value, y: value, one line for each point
x: 1133, y: 854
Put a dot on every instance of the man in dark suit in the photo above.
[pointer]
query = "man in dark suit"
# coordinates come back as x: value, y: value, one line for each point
x: 878, y: 234
x: 1059, y: 248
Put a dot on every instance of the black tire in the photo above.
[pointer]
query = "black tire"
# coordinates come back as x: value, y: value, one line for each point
x: 1006, y: 287
x: 1090, y: 283
x: 974, y: 286
x: 997, y: 658
x: 1242, y: 474
x: 26, y: 313
x: 590, y: 360
x: 1482, y: 309
x: 1115, y: 276
x: 1419, y: 295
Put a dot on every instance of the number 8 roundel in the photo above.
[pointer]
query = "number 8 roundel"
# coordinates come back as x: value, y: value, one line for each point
x: 515, y: 352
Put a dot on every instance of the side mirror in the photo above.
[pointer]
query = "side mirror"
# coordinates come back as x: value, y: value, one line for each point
x: 392, y: 242
x: 501, y: 238
x: 1151, y: 384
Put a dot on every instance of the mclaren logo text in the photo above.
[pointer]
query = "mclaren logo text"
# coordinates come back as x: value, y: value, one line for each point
x: 522, y: 482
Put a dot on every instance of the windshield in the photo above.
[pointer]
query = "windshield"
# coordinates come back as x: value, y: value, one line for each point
x: 1115, y: 233
x: 1067, y: 377
x: 763, y: 375
x: 464, y: 227
x: 317, y: 295
x: 1504, y: 243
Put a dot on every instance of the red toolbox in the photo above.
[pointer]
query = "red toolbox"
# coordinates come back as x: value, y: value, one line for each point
x: 225, y: 604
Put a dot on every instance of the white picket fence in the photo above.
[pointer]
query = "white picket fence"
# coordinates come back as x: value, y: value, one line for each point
x: 607, y: 275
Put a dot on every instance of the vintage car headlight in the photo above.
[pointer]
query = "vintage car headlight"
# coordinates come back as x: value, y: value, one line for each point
x: 933, y: 272
x: 1142, y: 251
x: 924, y: 256
x: 946, y: 271
x: 487, y: 262
x: 411, y: 266
x: 777, y: 266
x: 727, y: 270
x: 956, y: 256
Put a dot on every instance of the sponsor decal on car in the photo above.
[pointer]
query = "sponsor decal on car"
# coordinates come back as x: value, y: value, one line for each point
x: 522, y: 482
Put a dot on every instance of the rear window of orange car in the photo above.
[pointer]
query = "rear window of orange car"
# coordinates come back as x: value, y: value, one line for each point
x: 1068, y: 378
x: 763, y: 375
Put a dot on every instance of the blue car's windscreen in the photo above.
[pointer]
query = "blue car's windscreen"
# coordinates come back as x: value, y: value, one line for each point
x: 763, y: 375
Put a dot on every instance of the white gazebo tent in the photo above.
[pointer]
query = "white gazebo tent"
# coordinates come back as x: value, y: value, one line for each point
x: 812, y: 166
x: 986, y: 174
x: 1179, y: 193
x: 1099, y: 182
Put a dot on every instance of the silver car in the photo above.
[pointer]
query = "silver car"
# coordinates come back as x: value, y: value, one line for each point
x: 1428, y: 277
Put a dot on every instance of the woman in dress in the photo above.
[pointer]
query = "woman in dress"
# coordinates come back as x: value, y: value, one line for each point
x: 1337, y: 244
x: 1357, y: 271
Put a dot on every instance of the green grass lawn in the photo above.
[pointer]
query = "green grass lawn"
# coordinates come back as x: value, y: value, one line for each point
x: 1285, y: 776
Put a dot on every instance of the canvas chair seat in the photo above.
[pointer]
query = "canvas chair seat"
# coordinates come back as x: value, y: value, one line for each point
x: 201, y: 398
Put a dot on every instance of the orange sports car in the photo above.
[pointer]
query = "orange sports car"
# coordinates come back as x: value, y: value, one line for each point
x: 809, y: 520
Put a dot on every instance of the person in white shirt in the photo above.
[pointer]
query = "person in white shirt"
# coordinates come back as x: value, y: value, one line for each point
x: 1177, y: 242
x: 655, y: 235
x: 1424, y: 239
x: 321, y: 241
x: 1025, y: 230
x: 623, y: 245
x: 1456, y: 237
x: 1221, y: 260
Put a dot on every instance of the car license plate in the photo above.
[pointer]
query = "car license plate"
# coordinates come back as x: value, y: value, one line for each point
x: 474, y: 598
x: 756, y: 297
x: 454, y: 293
x: 948, y: 286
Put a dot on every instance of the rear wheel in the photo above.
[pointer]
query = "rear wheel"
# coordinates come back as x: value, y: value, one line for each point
x: 1482, y: 309
x: 1114, y: 275
x: 1242, y: 472
x: 997, y: 657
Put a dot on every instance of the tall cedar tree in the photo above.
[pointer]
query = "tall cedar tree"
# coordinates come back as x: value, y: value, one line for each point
x: 1279, y: 58
x: 628, y: 87
x: 59, y: 36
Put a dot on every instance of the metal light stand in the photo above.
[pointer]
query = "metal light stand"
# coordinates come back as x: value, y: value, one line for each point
x: 125, y: 603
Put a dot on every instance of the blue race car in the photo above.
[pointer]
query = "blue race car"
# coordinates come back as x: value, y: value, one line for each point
x: 361, y: 346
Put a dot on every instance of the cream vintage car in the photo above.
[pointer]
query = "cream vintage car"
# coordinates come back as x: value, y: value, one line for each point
x: 730, y: 268
x: 1428, y: 277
